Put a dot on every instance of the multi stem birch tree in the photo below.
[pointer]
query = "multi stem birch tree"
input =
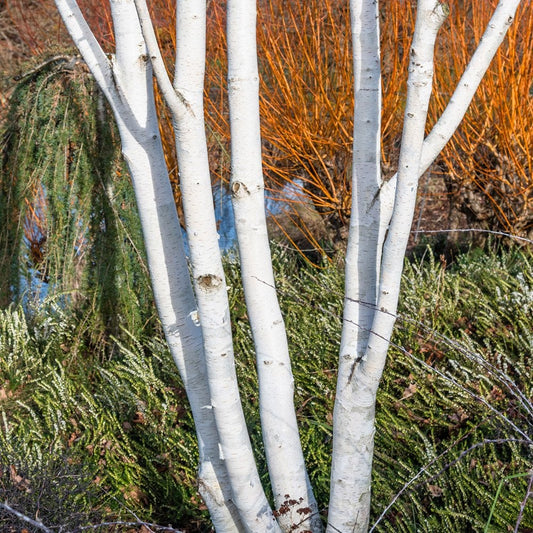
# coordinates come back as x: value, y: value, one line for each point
x: 193, y: 304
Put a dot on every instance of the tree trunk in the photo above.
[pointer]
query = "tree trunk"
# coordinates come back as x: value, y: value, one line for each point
x: 197, y: 324
x: 293, y: 495
x: 358, y: 383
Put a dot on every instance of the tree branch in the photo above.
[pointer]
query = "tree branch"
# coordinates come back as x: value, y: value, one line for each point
x: 466, y: 88
x: 173, y: 98
x: 31, y: 521
x: 91, y: 51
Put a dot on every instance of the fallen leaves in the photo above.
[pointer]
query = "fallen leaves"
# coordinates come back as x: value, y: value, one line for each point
x: 435, y: 491
x: 20, y: 482
x: 409, y: 391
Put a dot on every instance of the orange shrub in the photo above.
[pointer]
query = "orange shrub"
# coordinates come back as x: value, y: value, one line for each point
x: 307, y: 102
x: 488, y: 163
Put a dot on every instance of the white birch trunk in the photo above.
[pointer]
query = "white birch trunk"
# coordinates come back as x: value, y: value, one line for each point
x: 127, y: 83
x: 209, y: 279
x: 430, y: 17
x: 285, y: 460
x: 350, y: 485
x: 186, y: 103
x: 200, y: 341
x: 363, y: 257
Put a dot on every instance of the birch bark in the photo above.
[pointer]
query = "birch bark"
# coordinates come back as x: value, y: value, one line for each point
x: 461, y: 99
x: 127, y: 83
x: 450, y: 119
x: 209, y: 279
x: 200, y: 339
x: 350, y: 482
x: 186, y: 104
x: 362, y: 260
x: 285, y: 460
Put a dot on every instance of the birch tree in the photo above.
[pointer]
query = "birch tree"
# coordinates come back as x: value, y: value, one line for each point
x: 193, y: 304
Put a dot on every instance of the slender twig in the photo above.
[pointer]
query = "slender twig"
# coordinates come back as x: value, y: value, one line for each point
x: 484, y: 442
x: 475, y: 230
x: 529, y: 492
x: 442, y: 374
x: 40, y: 66
x: 31, y: 521
x: 147, y: 525
x: 419, y: 231
x: 424, y: 469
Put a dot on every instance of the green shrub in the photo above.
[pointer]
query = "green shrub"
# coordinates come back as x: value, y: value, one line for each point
x: 70, y: 227
x: 454, y: 412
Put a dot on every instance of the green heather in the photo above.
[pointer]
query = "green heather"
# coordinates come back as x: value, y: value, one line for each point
x: 453, y: 414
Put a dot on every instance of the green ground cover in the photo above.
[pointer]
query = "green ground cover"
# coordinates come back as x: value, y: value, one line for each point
x: 98, y: 432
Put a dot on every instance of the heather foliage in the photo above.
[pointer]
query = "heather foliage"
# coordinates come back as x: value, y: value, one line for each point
x: 454, y: 416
